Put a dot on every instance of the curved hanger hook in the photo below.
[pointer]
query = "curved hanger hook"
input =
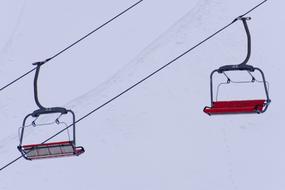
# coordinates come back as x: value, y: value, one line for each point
x: 243, y: 65
x: 244, y: 21
x: 38, y: 64
x: 42, y: 109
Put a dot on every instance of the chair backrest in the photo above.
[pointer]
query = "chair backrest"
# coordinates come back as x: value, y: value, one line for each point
x: 238, y: 103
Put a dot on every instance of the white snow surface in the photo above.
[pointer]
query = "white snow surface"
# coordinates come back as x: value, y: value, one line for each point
x: 155, y: 137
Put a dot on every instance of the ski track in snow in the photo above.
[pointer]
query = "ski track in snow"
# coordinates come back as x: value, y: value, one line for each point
x: 7, y: 47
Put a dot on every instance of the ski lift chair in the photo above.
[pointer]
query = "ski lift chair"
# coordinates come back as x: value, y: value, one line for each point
x: 239, y: 106
x: 48, y: 149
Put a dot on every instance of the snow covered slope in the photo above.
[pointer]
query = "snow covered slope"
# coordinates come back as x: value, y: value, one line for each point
x: 156, y: 136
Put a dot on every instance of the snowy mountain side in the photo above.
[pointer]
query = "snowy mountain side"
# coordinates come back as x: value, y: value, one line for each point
x: 156, y: 136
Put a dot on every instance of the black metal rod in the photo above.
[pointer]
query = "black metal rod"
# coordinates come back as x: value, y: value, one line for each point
x: 73, y: 127
x: 23, y: 129
x: 211, y: 86
x: 264, y: 84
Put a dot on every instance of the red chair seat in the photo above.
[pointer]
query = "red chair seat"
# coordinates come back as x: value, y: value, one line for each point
x: 51, y: 150
x: 235, y: 107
